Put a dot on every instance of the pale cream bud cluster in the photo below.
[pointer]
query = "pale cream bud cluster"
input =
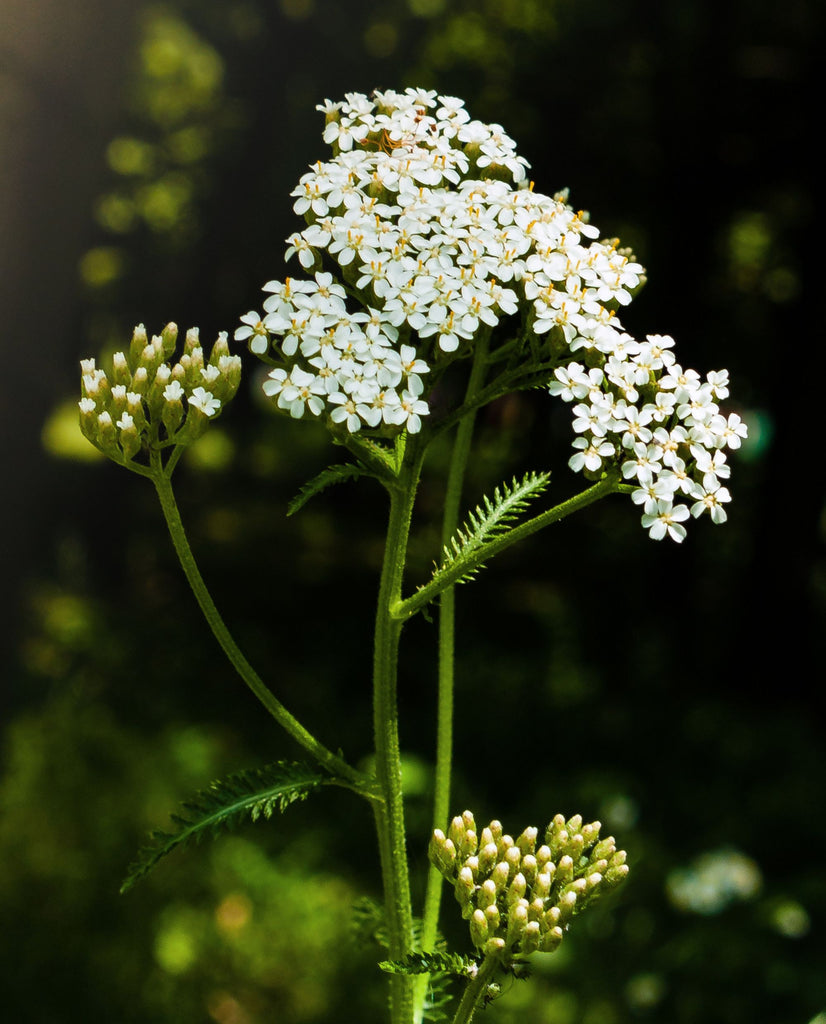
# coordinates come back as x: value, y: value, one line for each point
x: 145, y: 402
x: 518, y: 897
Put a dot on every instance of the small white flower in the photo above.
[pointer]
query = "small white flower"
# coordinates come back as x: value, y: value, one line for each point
x: 204, y: 401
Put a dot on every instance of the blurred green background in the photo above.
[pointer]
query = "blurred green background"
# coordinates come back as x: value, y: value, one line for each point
x: 148, y: 151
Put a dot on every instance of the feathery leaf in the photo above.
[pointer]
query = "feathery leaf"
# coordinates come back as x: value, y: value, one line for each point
x: 433, y: 963
x: 491, y: 519
x: 326, y: 478
x: 227, y: 802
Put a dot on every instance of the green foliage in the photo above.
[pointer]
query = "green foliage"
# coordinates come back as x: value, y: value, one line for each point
x: 326, y: 478
x: 490, y: 520
x: 248, y: 794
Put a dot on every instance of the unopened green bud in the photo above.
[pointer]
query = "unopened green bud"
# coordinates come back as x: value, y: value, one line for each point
x: 564, y: 872
x: 516, y: 890
x: 574, y: 824
x: 494, y: 947
x: 501, y: 875
x: 550, y: 919
x: 117, y: 401
x: 479, y: 928
x: 130, y: 441
x: 496, y: 830
x: 527, y: 841
x: 604, y: 848
x: 575, y: 846
x: 551, y: 940
x: 517, y: 919
x: 487, y: 856
x: 121, y: 373
x: 193, y: 341
x: 493, y: 918
x: 567, y: 906
x: 220, y: 350
x: 536, y: 909
x: 464, y: 886
x: 531, y: 938
x: 590, y: 833
x: 513, y: 858
x: 138, y: 344
x: 543, y: 857
x: 473, y: 864
x: 140, y: 380
x: 169, y: 339
x: 487, y: 893
x: 442, y: 853
x: 528, y: 868
x: 456, y: 833
x: 542, y: 885
x: 106, y: 434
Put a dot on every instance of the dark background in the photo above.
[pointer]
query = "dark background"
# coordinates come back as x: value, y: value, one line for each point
x: 147, y: 157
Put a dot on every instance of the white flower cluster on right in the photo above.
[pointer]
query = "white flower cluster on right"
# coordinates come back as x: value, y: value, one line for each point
x: 639, y: 406
x: 422, y: 232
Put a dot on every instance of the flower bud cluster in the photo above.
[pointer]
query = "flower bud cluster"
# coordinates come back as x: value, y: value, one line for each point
x: 518, y: 897
x: 146, y: 402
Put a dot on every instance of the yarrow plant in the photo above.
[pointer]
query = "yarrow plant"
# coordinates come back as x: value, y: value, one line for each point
x: 427, y: 257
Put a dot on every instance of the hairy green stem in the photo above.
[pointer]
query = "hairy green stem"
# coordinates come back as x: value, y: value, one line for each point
x: 447, y: 649
x: 325, y: 757
x: 390, y: 815
x: 476, y: 990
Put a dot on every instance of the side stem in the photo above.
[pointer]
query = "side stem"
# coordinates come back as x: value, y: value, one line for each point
x: 219, y: 629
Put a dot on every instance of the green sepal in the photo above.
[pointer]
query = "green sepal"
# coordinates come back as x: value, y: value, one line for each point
x: 489, y: 520
x: 253, y: 794
x: 326, y: 478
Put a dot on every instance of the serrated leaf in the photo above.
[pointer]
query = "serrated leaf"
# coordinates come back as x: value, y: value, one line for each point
x: 326, y: 478
x: 247, y: 795
x: 491, y: 519
x: 433, y: 963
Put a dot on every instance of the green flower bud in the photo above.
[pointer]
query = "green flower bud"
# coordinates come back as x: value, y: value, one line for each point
x: 479, y: 928
x: 542, y: 885
x: 89, y: 419
x: 487, y: 894
x: 516, y: 890
x: 138, y: 344
x: 121, y: 373
x: 517, y: 920
x: 494, y: 947
x: 527, y: 841
x: 107, y: 435
x: 604, y: 848
x: 531, y: 938
x: 543, y: 857
x: 487, y: 856
x: 551, y: 940
x: 501, y: 875
x: 129, y: 438
x: 140, y: 380
x: 564, y: 872
x: 528, y: 868
x: 442, y: 853
x: 567, y: 904
x: 493, y: 918
x: 169, y: 339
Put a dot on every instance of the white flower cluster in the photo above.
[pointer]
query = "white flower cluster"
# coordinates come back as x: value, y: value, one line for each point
x: 637, y: 405
x: 435, y: 236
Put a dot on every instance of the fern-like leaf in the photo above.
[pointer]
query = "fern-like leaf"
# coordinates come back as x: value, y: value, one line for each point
x: 227, y: 802
x: 491, y: 519
x: 326, y: 478
x: 433, y: 963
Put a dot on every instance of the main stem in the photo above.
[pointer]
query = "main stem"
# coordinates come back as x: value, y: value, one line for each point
x: 390, y: 813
